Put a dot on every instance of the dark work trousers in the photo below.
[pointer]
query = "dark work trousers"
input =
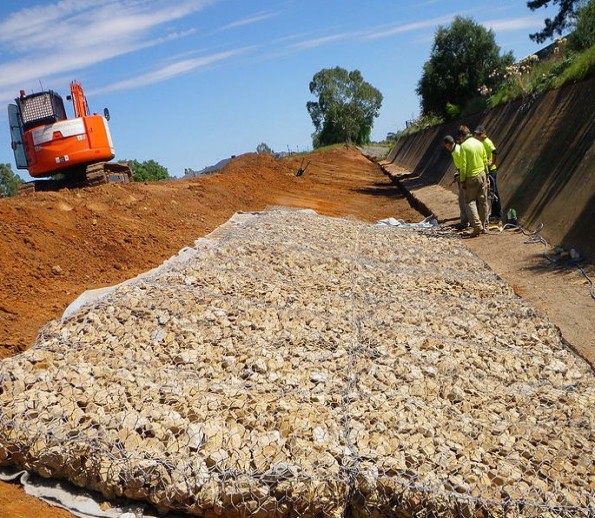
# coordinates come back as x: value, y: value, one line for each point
x: 496, y: 209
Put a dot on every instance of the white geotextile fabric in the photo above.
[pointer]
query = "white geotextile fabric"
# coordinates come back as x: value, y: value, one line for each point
x: 78, y: 502
x: 429, y: 222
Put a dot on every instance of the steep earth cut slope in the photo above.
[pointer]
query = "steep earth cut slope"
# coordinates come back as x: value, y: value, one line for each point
x: 546, y: 154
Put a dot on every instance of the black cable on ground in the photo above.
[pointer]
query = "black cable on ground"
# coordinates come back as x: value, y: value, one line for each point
x: 535, y: 238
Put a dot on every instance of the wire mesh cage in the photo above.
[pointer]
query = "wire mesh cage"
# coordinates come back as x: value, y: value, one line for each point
x: 308, y: 366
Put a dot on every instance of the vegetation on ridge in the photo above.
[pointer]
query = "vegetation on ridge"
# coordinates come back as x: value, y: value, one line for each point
x: 567, y: 60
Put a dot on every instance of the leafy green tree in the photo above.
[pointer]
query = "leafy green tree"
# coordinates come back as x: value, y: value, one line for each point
x: 346, y: 107
x: 464, y: 58
x: 262, y: 148
x: 9, y: 181
x: 563, y: 20
x: 583, y: 36
x: 148, y: 171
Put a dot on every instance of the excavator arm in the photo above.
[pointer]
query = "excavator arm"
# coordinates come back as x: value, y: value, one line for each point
x: 79, y: 101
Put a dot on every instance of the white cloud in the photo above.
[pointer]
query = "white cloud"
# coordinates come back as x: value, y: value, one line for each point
x: 407, y: 27
x: 33, y: 27
x: 170, y: 70
x: 384, y: 31
x: 70, y: 35
x: 514, y: 24
x: 248, y: 21
x: 317, y: 42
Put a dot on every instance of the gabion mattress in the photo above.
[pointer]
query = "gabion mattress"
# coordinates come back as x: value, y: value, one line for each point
x: 300, y: 365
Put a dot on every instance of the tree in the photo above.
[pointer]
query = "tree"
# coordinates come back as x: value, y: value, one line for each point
x: 346, y: 107
x: 9, y: 181
x: 263, y: 148
x: 583, y: 36
x: 148, y: 171
x: 560, y: 22
x: 464, y: 58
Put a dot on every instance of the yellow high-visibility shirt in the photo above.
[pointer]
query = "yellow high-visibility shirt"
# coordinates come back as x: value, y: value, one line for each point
x: 474, y: 160
x: 490, y: 148
x: 456, y: 156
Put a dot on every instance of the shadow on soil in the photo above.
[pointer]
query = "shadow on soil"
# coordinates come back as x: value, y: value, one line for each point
x: 382, y: 189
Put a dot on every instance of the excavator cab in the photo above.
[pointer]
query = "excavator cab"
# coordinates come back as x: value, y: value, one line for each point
x: 16, y: 136
x: 29, y: 112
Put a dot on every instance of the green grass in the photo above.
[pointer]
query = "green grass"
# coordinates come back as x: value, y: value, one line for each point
x: 582, y: 67
x: 475, y: 105
x: 421, y: 123
x: 559, y: 69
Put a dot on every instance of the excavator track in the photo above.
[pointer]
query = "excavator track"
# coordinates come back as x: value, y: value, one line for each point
x: 93, y: 174
x: 107, y: 172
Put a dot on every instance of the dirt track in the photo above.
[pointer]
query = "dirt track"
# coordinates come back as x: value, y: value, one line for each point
x: 56, y: 245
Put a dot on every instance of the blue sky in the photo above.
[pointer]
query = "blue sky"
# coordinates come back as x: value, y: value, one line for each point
x: 190, y: 82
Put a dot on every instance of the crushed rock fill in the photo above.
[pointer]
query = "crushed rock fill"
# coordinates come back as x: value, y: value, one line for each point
x: 292, y: 364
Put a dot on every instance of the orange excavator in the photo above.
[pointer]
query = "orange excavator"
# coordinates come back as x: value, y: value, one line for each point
x: 66, y: 152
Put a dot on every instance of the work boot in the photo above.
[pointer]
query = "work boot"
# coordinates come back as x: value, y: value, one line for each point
x: 474, y: 233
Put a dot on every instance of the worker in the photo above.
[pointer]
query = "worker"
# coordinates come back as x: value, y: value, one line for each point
x: 473, y: 177
x: 491, y: 152
x: 454, y: 148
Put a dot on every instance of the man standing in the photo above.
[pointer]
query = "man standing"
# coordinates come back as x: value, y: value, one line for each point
x: 491, y: 152
x: 454, y: 149
x: 473, y: 167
